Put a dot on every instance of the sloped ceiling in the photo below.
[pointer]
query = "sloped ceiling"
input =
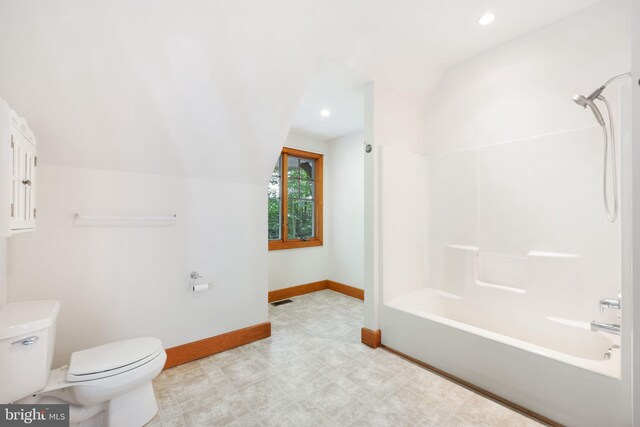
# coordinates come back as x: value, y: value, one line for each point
x: 337, y: 88
x: 189, y: 87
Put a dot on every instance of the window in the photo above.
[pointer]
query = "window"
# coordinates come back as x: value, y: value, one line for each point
x: 295, y: 215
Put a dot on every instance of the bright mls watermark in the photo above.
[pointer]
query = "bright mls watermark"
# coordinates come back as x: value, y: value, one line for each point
x: 34, y: 415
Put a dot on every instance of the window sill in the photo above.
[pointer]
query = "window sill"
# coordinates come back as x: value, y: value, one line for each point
x: 294, y: 244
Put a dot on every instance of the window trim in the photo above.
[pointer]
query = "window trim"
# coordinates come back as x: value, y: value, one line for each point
x: 285, y: 242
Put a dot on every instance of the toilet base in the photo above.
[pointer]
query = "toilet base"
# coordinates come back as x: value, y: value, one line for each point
x: 132, y: 409
x: 79, y: 416
x: 95, y: 421
x: 123, y: 400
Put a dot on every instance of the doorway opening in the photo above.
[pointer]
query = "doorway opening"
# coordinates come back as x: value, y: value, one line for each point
x: 316, y: 209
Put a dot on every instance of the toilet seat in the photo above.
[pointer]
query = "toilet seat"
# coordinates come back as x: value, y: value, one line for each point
x: 112, y: 359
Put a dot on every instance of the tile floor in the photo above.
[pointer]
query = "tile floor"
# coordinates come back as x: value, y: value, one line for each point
x: 314, y: 371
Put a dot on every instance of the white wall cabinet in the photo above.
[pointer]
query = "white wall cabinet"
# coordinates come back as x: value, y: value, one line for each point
x: 18, y: 162
x: 23, y: 171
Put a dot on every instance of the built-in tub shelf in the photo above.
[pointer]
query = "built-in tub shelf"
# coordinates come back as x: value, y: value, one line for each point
x: 131, y: 221
x: 501, y: 272
x: 539, y: 254
x: 501, y: 287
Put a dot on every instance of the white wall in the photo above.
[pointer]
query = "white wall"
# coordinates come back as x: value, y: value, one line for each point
x: 292, y: 267
x: 122, y: 282
x: 346, y: 210
x: 398, y: 121
x: 516, y: 167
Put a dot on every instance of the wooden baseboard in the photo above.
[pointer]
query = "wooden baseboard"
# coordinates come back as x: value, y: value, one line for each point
x: 489, y: 395
x: 346, y: 289
x: 206, y: 347
x: 294, y: 291
x: 371, y: 338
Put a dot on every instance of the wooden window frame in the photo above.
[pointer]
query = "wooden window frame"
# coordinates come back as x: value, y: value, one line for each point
x: 285, y: 242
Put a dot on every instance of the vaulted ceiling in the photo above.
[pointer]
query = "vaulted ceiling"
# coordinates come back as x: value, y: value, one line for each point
x: 187, y: 87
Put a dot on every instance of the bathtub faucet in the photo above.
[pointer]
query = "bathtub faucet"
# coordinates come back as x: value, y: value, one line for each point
x: 610, y: 328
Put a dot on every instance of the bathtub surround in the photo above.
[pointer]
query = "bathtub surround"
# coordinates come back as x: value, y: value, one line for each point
x: 509, y: 215
x: 512, y: 213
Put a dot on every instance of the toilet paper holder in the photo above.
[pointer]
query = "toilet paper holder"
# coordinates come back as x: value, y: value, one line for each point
x: 195, y: 286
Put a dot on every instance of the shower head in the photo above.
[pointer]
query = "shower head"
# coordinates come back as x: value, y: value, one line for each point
x: 587, y: 101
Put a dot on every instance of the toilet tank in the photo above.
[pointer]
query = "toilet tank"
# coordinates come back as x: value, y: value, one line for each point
x: 27, y: 337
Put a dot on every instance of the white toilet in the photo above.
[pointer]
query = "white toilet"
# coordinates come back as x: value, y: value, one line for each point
x: 109, y: 385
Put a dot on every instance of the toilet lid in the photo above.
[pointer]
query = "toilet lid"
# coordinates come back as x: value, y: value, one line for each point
x: 112, y: 359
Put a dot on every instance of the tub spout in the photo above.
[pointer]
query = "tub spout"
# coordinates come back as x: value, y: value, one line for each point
x: 610, y: 328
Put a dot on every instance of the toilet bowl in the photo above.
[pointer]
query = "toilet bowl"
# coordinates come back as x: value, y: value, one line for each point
x: 109, y: 385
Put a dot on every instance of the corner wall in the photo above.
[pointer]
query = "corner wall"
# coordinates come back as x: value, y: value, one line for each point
x: 346, y: 210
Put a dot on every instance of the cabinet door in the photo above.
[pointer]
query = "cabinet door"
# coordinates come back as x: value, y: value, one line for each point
x: 23, y: 209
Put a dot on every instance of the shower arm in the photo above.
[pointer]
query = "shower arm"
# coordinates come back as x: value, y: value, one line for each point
x: 614, y: 78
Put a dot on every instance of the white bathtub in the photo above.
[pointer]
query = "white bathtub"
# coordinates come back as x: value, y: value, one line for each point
x: 555, y: 367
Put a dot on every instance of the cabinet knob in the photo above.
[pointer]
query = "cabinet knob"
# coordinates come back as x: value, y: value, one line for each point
x: 27, y: 182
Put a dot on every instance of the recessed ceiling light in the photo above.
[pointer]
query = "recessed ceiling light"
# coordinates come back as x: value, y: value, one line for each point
x: 325, y: 112
x: 486, y: 19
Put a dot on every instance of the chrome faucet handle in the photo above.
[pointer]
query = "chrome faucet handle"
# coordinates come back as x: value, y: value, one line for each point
x: 610, y: 328
x: 609, y: 303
